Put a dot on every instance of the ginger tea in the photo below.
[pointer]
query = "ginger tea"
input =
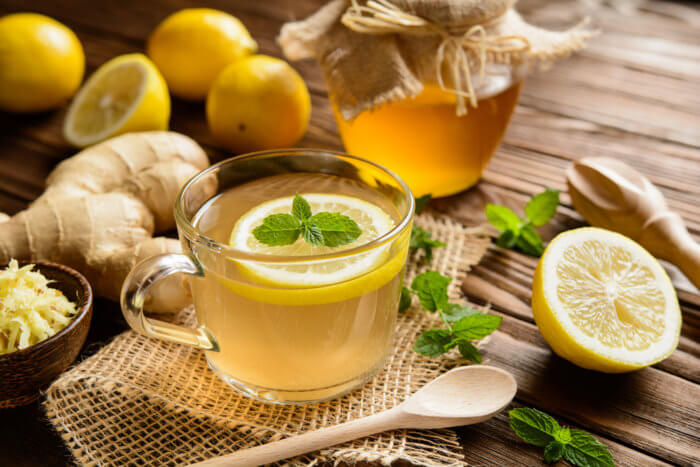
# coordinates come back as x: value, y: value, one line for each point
x: 313, y: 322
x: 426, y: 143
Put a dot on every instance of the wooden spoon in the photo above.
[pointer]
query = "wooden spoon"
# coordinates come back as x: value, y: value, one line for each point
x: 611, y: 194
x: 462, y: 396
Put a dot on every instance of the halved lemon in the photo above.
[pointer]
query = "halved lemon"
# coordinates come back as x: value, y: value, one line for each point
x: 372, y: 219
x: 125, y: 94
x: 604, y: 303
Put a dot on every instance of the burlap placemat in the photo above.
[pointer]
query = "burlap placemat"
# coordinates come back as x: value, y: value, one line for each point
x: 140, y: 401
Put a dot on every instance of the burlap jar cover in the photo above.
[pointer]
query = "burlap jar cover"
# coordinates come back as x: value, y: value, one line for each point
x: 377, y: 51
x: 141, y: 401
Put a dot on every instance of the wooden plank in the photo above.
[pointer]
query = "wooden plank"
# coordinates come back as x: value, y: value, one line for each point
x: 494, y: 443
x: 602, y: 402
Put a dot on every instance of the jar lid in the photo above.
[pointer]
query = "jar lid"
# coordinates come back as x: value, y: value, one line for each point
x: 374, y: 52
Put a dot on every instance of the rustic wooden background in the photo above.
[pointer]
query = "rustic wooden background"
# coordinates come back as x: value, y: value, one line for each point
x: 633, y: 94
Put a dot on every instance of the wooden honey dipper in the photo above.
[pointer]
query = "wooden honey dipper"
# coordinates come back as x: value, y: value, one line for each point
x: 612, y: 195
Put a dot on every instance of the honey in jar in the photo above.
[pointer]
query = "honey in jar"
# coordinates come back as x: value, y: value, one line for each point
x: 424, y: 141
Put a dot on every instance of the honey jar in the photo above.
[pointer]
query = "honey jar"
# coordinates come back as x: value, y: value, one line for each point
x: 425, y: 88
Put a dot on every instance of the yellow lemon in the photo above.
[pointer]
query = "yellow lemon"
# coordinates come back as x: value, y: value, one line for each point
x: 604, y: 303
x: 191, y: 47
x: 41, y: 63
x: 258, y: 103
x: 125, y: 94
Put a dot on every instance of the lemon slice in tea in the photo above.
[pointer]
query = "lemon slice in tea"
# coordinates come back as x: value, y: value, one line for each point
x: 604, y: 303
x: 373, y: 221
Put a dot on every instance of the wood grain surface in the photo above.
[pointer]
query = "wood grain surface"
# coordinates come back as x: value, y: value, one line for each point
x: 633, y: 94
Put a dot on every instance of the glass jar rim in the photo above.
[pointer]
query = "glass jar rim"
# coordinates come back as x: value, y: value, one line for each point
x: 194, y: 235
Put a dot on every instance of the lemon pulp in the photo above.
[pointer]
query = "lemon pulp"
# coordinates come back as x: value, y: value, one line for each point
x: 604, y: 303
x: 125, y: 94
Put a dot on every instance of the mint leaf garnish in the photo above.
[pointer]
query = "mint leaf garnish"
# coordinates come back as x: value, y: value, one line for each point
x: 576, y: 446
x: 431, y: 288
x: 520, y: 233
x: 301, y: 209
x: 454, y: 312
x: 422, y: 239
x: 553, y: 452
x: 336, y: 229
x: 405, y: 299
x: 432, y: 342
x: 475, y: 327
x: 324, y: 228
x: 278, y: 229
x: 541, y: 207
x: 586, y: 451
x: 311, y: 233
x: 422, y: 202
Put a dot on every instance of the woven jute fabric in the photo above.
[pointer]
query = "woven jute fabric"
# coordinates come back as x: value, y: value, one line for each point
x: 141, y: 401
x: 374, y: 52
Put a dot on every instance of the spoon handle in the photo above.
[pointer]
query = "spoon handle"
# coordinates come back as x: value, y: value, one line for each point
x: 308, y: 442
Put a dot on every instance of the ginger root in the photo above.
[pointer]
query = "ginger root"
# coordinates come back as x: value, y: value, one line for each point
x: 101, y: 208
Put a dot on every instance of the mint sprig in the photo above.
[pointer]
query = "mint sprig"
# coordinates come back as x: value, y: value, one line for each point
x: 421, y: 239
x: 323, y: 228
x: 576, y: 446
x: 520, y: 233
x: 463, y: 324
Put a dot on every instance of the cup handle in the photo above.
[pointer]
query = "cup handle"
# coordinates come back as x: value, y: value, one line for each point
x: 135, y: 291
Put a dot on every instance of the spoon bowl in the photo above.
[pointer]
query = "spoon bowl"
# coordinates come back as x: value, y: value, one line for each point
x: 461, y: 396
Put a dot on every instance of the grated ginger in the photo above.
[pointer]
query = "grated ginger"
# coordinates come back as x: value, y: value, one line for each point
x: 30, y: 310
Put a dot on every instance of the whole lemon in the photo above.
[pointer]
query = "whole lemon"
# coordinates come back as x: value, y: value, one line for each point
x: 258, y: 103
x: 41, y: 63
x: 192, y: 46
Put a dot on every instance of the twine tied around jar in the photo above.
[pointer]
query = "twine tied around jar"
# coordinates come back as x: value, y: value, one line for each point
x: 383, y: 17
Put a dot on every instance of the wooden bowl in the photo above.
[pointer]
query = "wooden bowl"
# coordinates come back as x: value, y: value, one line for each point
x: 24, y: 373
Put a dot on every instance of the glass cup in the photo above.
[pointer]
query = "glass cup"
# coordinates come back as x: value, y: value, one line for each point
x: 282, y: 343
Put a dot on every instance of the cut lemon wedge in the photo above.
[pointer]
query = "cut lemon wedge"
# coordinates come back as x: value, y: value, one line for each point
x: 373, y: 221
x: 604, y: 303
x: 125, y: 94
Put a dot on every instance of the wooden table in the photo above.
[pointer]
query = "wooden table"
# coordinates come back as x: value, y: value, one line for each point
x: 633, y: 94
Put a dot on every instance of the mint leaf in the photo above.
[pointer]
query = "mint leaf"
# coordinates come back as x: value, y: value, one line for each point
x: 541, y: 207
x: 475, y: 327
x: 454, y: 312
x: 422, y: 202
x: 301, y: 209
x: 405, y: 299
x: 311, y: 233
x: 336, y: 229
x: 433, y: 342
x: 421, y: 238
x: 586, y: 451
x: 519, y: 233
x: 530, y: 242
x: 278, y: 229
x: 533, y: 426
x: 431, y: 288
x: 502, y: 218
x: 563, y: 435
x: 469, y: 351
x: 553, y: 452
